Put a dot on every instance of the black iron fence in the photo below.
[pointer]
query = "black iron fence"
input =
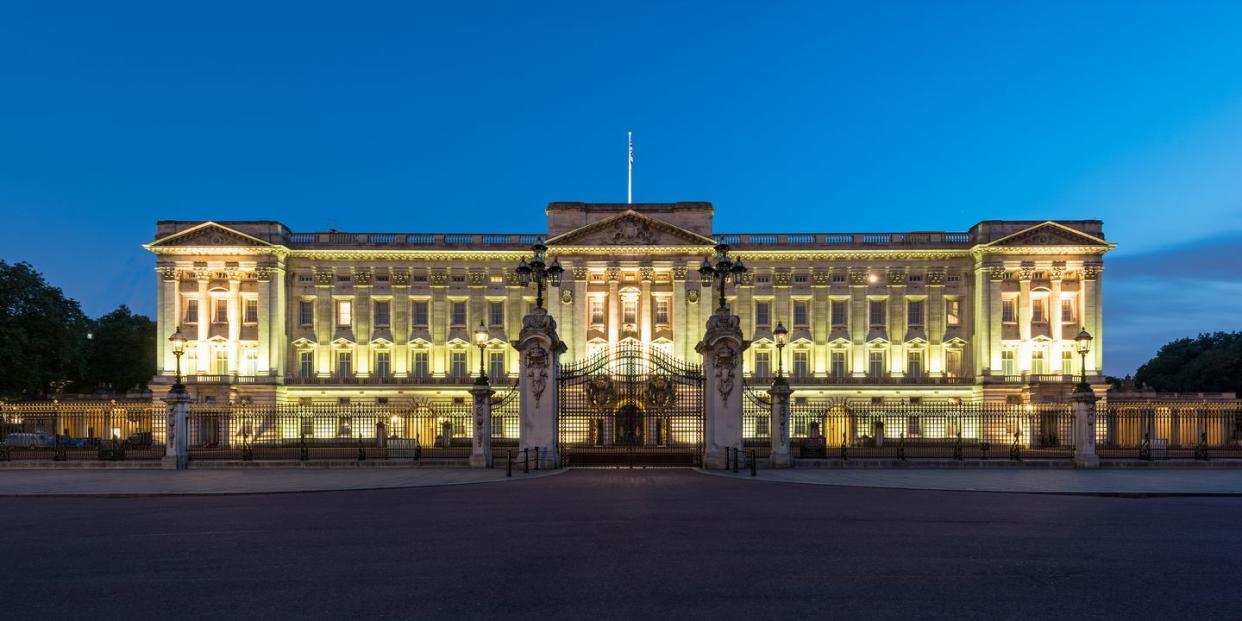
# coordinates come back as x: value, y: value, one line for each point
x: 1169, y: 430
x: 82, y: 430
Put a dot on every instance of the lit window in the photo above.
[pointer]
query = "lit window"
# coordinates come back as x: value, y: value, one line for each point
x: 222, y: 311
x: 875, y: 364
x: 306, y: 363
x: 1009, y: 310
x: 763, y: 315
x: 914, y: 312
x: 914, y: 364
x: 420, y: 313
x: 838, y: 313
x: 344, y: 363
x: 495, y: 313
x: 306, y: 312
x: 661, y: 311
x: 629, y: 312
x: 382, y: 313
x: 1038, y: 310
x: 838, y: 364
x: 800, y: 319
x: 457, y: 364
x: 1067, y: 362
x: 221, y: 362
x: 597, y: 311
x: 953, y: 363
x: 953, y: 312
x: 191, y: 311
x: 421, y: 364
x: 459, y: 313
x: 1067, y: 310
x: 1007, y: 362
x: 801, y: 364
x: 877, y: 312
x: 251, y: 313
x: 496, y: 365
x: 344, y: 313
x: 1037, y: 363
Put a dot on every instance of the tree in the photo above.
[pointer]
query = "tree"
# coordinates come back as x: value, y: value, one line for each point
x: 43, y: 335
x: 1209, y: 363
x: 122, y: 352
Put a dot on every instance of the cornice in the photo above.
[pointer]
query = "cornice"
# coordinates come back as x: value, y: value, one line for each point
x: 851, y: 255
x: 232, y: 251
x: 980, y: 251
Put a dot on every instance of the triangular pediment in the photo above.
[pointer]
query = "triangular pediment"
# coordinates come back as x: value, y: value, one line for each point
x: 1049, y: 234
x: 630, y: 228
x: 209, y: 234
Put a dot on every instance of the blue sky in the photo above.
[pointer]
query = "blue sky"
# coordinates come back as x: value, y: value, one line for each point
x: 788, y: 116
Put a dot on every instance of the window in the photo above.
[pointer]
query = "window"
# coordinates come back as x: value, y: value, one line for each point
x: 914, y: 364
x: 1067, y: 362
x: 875, y: 364
x: 221, y: 314
x: 495, y: 313
x: 344, y: 363
x: 953, y: 312
x: 838, y: 364
x: 344, y: 313
x: 763, y: 315
x: 496, y: 365
x: 458, y: 313
x: 877, y: 312
x: 597, y: 311
x: 661, y: 311
x: 249, y: 362
x: 251, y: 312
x: 838, y: 312
x: 800, y: 319
x: 801, y: 363
x: 953, y: 363
x: 220, y: 365
x: 1007, y: 362
x: 457, y: 364
x: 422, y: 368
x: 838, y: 279
x: 1067, y: 310
x: 306, y: 363
x: 383, y: 364
x: 1009, y: 310
x: 763, y: 364
x: 306, y: 312
x: 383, y: 313
x: 629, y: 312
x: 914, y: 312
x: 191, y: 310
x: 1038, y: 367
x: 420, y: 313
x: 1039, y: 312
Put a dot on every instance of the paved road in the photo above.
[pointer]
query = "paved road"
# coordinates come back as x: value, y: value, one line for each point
x: 623, y: 545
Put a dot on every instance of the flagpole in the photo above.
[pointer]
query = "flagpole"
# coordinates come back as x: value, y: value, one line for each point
x: 629, y: 183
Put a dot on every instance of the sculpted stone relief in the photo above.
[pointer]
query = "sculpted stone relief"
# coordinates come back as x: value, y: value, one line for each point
x: 537, y: 371
x: 724, y: 361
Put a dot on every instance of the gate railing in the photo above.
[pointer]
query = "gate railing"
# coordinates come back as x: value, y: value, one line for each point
x: 1169, y: 430
x: 82, y: 430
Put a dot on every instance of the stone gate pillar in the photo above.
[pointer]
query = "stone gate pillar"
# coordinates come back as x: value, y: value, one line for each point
x: 176, y: 445
x: 722, y: 348
x: 779, y: 429
x: 539, y: 370
x: 1084, y: 402
x: 481, y: 447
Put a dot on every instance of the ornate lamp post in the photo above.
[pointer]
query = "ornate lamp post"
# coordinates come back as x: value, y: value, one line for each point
x: 480, y: 339
x: 539, y: 272
x: 724, y: 270
x: 782, y: 339
x: 1083, y: 343
x: 178, y: 341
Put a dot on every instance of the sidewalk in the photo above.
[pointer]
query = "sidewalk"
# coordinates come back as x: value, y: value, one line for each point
x: 1107, y: 482
x: 240, y: 481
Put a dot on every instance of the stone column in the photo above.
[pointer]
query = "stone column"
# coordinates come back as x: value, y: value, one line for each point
x: 539, y: 349
x: 934, y: 320
x: 859, y: 322
x: 614, y: 305
x: 1024, y: 319
x: 263, y: 281
x: 235, y: 321
x: 1054, y: 323
x: 779, y: 429
x: 645, y: 305
x: 481, y: 451
x: 722, y: 348
x: 400, y: 323
x: 362, y: 322
x: 1093, y: 312
x: 176, y: 447
x: 206, y: 313
x: 821, y: 322
x: 1084, y: 404
x: 168, y: 316
x: 325, y: 322
x: 579, y: 310
x: 897, y: 323
x: 677, y: 307
x: 992, y: 323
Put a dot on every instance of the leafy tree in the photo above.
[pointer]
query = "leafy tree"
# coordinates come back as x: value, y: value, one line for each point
x: 1209, y: 363
x: 122, y: 352
x: 43, y: 335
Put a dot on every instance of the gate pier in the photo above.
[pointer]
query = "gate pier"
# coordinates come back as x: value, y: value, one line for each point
x: 540, y: 351
x: 722, y: 348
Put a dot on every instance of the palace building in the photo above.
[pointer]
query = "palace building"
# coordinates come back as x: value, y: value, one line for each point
x: 987, y: 314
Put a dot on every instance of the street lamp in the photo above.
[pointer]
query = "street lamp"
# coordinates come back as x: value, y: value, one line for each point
x: 724, y: 270
x: 782, y: 339
x: 178, y: 348
x: 1082, y: 343
x: 480, y: 339
x: 538, y: 271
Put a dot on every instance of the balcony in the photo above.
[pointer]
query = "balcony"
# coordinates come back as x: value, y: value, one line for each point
x: 338, y: 380
x: 866, y: 381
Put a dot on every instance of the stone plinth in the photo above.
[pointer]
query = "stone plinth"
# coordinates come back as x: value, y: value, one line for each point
x: 1084, y: 402
x: 481, y: 446
x: 540, y: 350
x: 722, y: 348
x: 176, y: 446
x: 779, y: 430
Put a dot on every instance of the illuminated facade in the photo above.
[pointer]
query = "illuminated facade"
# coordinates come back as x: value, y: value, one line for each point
x: 987, y: 314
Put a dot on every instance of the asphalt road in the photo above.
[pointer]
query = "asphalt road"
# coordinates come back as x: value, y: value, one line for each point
x: 621, y: 544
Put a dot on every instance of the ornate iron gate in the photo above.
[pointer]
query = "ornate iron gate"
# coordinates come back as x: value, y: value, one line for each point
x: 631, y: 405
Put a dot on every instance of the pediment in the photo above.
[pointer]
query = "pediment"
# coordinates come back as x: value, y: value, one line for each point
x: 1049, y: 234
x: 630, y: 228
x: 209, y: 234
